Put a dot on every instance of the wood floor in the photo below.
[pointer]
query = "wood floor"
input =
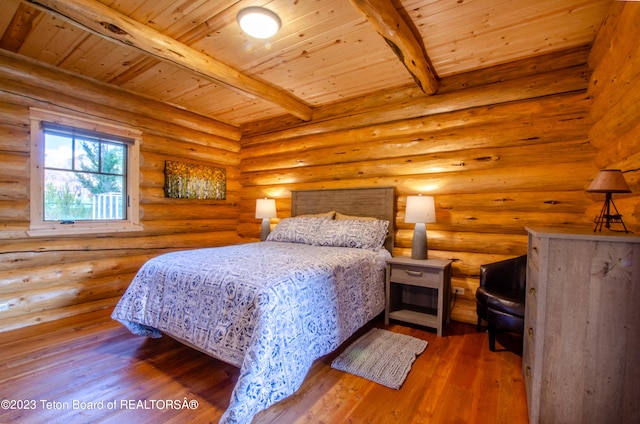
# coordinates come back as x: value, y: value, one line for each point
x: 89, y: 369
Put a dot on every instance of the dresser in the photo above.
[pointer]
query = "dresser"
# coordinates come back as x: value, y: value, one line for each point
x: 581, y: 354
x: 418, y: 291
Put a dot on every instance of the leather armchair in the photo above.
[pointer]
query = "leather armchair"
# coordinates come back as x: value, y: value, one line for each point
x: 501, y: 297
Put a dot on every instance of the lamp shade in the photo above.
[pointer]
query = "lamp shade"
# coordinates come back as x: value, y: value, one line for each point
x: 420, y: 209
x: 259, y: 22
x: 609, y: 181
x: 266, y: 208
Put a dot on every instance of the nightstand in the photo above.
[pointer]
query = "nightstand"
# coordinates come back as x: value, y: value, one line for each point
x: 418, y: 291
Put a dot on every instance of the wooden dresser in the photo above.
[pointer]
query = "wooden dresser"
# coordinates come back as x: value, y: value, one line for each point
x: 581, y: 357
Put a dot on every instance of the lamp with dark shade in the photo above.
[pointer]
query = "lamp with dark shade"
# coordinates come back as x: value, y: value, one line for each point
x: 265, y: 209
x: 420, y: 210
x: 609, y: 181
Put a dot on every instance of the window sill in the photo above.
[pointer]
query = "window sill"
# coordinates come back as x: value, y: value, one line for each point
x: 78, y: 229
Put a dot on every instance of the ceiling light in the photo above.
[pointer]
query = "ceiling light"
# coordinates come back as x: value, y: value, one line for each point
x: 259, y: 22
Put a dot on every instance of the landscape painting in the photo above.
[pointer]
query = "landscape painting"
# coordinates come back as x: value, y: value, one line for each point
x: 190, y: 181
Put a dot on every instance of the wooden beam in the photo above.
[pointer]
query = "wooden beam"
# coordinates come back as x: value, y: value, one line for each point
x: 19, y: 28
x: 106, y: 22
x: 27, y: 78
x: 396, y: 32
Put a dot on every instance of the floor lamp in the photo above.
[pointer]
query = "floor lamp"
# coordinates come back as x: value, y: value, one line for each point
x: 609, y: 181
x: 420, y: 211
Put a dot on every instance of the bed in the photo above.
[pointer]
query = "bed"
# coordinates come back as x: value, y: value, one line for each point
x: 272, y: 308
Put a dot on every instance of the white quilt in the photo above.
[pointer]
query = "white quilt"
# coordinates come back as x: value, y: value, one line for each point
x: 270, y: 308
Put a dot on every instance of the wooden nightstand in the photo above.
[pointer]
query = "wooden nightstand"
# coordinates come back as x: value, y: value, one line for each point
x: 412, y: 287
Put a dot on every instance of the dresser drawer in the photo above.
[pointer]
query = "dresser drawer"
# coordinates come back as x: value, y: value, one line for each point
x: 415, y: 275
x: 527, y: 375
x: 533, y: 256
x: 530, y: 363
x: 532, y: 291
x: 529, y: 337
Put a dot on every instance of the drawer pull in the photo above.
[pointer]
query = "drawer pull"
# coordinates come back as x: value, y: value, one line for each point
x: 530, y: 331
x: 532, y: 291
x: 413, y: 273
x: 528, y: 372
x: 535, y: 249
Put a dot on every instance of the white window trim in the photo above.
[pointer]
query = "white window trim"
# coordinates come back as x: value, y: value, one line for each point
x: 39, y: 227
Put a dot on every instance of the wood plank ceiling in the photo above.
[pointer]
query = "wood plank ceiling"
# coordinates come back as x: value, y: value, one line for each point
x: 192, y: 53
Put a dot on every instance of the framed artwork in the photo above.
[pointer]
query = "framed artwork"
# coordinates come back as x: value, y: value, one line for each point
x: 189, y: 181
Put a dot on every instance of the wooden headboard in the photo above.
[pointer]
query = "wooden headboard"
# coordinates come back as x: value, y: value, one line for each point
x: 377, y: 202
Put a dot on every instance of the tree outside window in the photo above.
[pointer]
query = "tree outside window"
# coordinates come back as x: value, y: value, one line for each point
x: 84, y: 177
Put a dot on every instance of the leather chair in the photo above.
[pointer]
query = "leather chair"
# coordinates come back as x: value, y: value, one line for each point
x: 501, y: 297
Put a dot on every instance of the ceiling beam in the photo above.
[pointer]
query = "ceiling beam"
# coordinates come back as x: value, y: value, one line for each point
x: 106, y: 22
x: 396, y: 32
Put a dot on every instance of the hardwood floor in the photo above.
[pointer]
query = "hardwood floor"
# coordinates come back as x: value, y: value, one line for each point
x: 90, y: 369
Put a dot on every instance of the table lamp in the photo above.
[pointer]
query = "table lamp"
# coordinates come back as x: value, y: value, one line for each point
x: 609, y: 181
x: 265, y: 209
x: 420, y: 211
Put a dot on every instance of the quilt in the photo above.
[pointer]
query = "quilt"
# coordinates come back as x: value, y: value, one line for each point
x: 269, y: 308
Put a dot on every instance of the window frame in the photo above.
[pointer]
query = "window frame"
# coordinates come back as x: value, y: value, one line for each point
x: 38, y: 226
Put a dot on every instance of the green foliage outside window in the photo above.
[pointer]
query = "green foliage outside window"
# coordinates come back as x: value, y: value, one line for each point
x: 61, y: 203
x: 84, y: 177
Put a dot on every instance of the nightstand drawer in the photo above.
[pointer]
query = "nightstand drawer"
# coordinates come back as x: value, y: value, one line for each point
x: 415, y: 275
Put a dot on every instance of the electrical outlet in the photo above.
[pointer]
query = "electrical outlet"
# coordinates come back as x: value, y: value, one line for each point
x: 458, y: 290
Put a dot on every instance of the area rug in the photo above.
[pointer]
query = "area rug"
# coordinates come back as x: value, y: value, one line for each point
x: 381, y: 356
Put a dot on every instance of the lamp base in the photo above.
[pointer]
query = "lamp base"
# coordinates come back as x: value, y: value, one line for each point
x: 265, y: 229
x: 607, y: 218
x: 419, y: 243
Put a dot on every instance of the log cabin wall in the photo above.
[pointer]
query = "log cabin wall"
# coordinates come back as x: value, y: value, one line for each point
x: 615, y: 114
x: 500, y: 149
x: 44, y: 279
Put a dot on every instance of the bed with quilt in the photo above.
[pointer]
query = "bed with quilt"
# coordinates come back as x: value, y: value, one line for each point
x: 270, y: 308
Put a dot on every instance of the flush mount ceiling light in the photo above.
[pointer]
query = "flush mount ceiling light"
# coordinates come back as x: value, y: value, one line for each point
x: 259, y: 22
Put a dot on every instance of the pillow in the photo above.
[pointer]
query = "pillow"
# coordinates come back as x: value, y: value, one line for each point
x: 297, y: 230
x: 361, y: 218
x: 362, y: 234
x: 330, y: 215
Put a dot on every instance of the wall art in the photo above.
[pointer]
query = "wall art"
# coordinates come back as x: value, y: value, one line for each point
x: 190, y: 181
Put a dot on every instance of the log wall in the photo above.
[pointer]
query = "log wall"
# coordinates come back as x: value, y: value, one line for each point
x: 500, y: 150
x: 615, y: 88
x: 44, y: 279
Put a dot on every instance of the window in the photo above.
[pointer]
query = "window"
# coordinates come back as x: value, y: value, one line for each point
x: 84, y: 175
